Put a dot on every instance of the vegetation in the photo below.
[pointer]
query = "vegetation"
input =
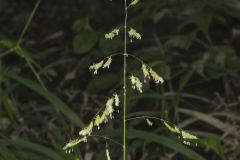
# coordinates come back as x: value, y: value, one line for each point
x: 47, y: 93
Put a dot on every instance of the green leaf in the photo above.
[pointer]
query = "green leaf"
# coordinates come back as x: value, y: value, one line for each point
x: 204, y: 22
x: 57, y: 103
x: 33, y: 149
x: 210, y: 120
x: 153, y: 137
x: 166, y: 142
x: 213, y: 143
x: 6, y: 153
x: 81, y: 24
x: 84, y: 42
x: 9, y: 107
x: 184, y: 80
x: 237, y: 153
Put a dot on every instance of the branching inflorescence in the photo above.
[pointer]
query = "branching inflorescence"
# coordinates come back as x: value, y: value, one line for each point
x: 113, y: 102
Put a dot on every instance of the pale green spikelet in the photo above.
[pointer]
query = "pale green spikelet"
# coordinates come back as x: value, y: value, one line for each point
x: 149, y: 122
x: 156, y: 77
x: 133, y: 81
x: 134, y: 34
x: 112, y: 34
x: 139, y: 85
x: 73, y: 143
x: 103, y: 117
x: 136, y: 83
x: 116, y: 100
x: 145, y: 71
x: 97, y: 121
x: 174, y: 130
x: 108, y: 154
x: 186, y: 135
x: 134, y: 2
x: 107, y: 63
x: 87, y: 131
x: 96, y: 66
x: 109, y: 107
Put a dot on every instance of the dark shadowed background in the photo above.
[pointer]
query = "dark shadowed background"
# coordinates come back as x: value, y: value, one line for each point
x: 193, y: 44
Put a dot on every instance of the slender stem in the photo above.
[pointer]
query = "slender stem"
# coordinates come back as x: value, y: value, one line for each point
x: 28, y: 22
x: 150, y: 117
x: 124, y: 82
x: 138, y: 59
x: 106, y: 138
x: 7, y: 52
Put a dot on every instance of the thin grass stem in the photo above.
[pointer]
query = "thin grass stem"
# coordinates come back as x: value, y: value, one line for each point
x: 106, y: 138
x: 124, y: 81
x: 28, y: 23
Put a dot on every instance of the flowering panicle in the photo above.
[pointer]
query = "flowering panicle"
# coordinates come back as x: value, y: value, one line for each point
x: 87, y: 131
x: 112, y: 34
x: 96, y: 66
x: 101, y: 64
x: 148, y: 72
x: 107, y: 63
x: 185, y: 135
x: 134, y: 34
x: 97, y: 121
x: 156, y: 77
x: 108, y: 111
x: 136, y: 83
x: 72, y: 143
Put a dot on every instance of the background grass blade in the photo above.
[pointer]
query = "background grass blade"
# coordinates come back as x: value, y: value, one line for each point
x: 35, y: 150
x: 153, y: 137
x: 54, y: 100
x: 209, y: 119
x: 187, y: 152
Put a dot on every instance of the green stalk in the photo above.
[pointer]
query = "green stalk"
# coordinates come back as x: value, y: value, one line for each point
x: 124, y: 82
x: 28, y: 23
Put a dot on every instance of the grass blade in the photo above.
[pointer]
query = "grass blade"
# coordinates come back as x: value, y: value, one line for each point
x: 180, y: 148
x: 54, y: 100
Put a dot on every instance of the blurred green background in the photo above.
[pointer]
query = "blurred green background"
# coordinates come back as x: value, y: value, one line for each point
x: 193, y: 44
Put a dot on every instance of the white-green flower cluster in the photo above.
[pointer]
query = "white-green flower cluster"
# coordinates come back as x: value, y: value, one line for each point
x: 112, y: 34
x: 150, y: 123
x: 69, y: 146
x: 134, y: 34
x: 134, y: 2
x: 185, y: 135
x: 97, y: 121
x: 150, y: 73
x: 107, y: 63
x: 108, y: 111
x: 87, y: 130
x: 101, y: 64
x: 136, y: 83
